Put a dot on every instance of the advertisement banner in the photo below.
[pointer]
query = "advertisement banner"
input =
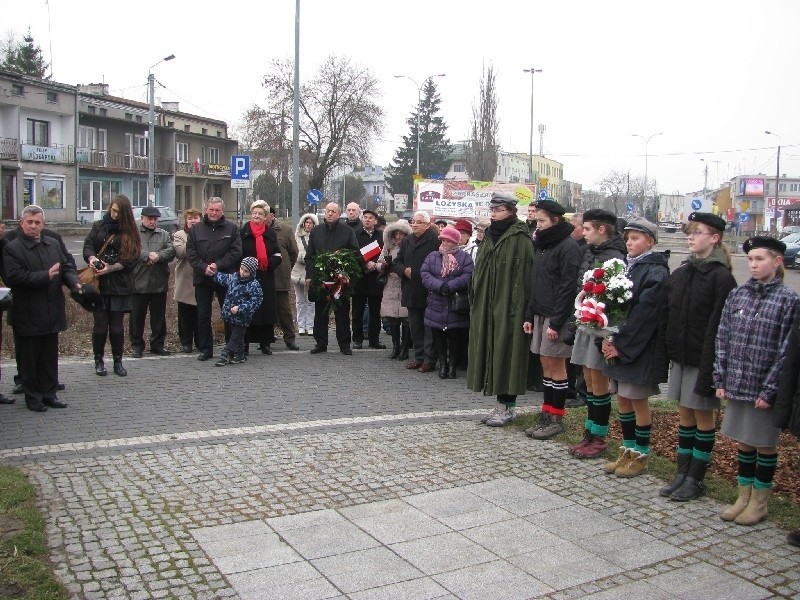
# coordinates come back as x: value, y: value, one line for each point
x: 466, y: 199
x: 751, y: 186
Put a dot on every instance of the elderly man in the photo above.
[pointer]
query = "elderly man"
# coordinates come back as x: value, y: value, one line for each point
x: 35, y: 270
x: 329, y: 236
x: 423, y: 240
x: 367, y: 291
x: 151, y: 279
x: 353, y: 211
x: 283, y: 277
x: 213, y: 246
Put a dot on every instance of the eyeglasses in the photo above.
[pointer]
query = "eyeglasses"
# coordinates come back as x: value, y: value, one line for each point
x: 693, y: 233
x: 495, y: 209
x: 418, y: 222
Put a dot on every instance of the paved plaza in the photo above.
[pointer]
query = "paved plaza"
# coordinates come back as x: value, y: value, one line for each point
x: 299, y: 476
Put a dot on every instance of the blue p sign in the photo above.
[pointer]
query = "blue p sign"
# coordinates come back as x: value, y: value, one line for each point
x: 240, y: 167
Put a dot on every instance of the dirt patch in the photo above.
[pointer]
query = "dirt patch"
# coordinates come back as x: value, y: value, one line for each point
x: 10, y: 526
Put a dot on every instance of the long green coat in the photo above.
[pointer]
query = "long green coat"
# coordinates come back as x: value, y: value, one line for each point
x: 499, y: 291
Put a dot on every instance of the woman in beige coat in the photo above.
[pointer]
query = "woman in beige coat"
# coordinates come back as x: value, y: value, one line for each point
x: 184, y: 288
x: 391, y: 308
x: 305, y: 308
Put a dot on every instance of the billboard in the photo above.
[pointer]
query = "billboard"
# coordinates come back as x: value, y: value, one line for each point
x: 751, y: 186
x: 465, y: 199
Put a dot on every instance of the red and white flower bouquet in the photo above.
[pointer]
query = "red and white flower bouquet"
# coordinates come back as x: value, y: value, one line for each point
x: 604, y: 298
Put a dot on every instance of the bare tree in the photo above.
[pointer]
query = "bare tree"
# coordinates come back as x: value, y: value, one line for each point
x: 339, y: 117
x: 482, y: 146
x: 615, y: 187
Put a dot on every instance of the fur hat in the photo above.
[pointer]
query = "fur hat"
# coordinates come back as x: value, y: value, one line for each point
x: 764, y: 242
x: 451, y: 234
x: 251, y: 264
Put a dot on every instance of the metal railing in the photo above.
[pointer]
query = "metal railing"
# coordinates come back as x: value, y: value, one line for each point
x: 121, y: 161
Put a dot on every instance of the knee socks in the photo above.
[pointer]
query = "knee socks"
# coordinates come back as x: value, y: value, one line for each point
x: 686, y: 437
x: 642, y: 433
x: 765, y: 471
x: 601, y: 415
x: 747, y: 467
x: 703, y: 444
x: 557, y: 396
x: 590, y: 412
x: 627, y: 422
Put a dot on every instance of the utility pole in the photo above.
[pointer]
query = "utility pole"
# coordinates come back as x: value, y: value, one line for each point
x: 532, y: 71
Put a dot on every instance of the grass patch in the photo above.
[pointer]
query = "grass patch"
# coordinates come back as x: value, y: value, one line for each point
x: 25, y: 572
x: 782, y: 511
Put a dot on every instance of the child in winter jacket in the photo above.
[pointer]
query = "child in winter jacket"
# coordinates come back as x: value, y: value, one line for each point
x: 241, y: 303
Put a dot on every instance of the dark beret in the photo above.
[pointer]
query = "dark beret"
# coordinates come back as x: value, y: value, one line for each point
x: 502, y: 199
x: 553, y: 207
x: 708, y: 219
x: 764, y: 242
x: 370, y: 211
x: 598, y: 214
x: 151, y: 211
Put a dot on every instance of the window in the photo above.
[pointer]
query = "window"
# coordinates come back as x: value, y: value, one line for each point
x: 28, y: 191
x: 782, y: 187
x: 459, y: 168
x: 205, y: 131
x: 95, y: 195
x: 186, y: 128
x: 138, y: 193
x: 182, y: 152
x: 217, y: 190
x: 794, y: 187
x: 170, y: 123
x: 213, y: 155
x: 38, y: 132
x: 203, y: 154
x: 103, y: 112
x: 17, y: 89
x: 52, y: 193
x: 376, y: 189
x: 92, y: 109
x: 51, y: 97
x: 138, y: 118
x: 219, y: 134
x: 128, y: 117
x: 86, y: 137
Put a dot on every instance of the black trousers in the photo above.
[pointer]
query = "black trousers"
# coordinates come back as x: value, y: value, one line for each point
x: 204, y: 295
x: 321, y: 317
x: 157, y: 305
x: 447, y: 344
x: 374, y: 328
x: 421, y: 336
x: 38, y: 361
x: 187, y: 325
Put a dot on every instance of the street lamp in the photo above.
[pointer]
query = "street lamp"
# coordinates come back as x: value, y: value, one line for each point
x: 532, y: 70
x: 777, y: 178
x: 646, y: 156
x: 419, y: 102
x: 151, y: 164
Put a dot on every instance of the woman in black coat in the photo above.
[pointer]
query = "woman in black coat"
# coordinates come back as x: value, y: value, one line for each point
x: 112, y: 249
x: 787, y: 403
x: 260, y: 241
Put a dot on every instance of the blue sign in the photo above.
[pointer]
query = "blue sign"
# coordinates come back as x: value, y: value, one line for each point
x: 542, y: 194
x: 697, y: 204
x: 314, y: 196
x: 377, y: 199
x: 240, y: 171
x: 743, y: 217
x: 629, y: 207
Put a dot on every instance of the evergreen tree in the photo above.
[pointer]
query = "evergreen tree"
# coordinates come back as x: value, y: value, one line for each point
x: 25, y: 57
x: 434, y: 146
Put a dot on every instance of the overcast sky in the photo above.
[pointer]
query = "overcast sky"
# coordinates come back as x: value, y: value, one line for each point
x: 710, y: 75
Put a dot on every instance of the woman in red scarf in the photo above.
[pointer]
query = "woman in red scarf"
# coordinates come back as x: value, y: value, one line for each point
x: 260, y: 241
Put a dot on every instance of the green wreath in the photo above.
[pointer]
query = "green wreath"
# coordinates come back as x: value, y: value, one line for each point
x: 334, y: 275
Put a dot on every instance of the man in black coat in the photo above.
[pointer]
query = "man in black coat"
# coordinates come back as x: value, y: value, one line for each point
x: 366, y: 290
x: 329, y: 236
x: 415, y: 248
x: 213, y: 246
x: 35, y: 269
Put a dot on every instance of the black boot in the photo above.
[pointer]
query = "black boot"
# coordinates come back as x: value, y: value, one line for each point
x: 693, y: 486
x: 394, y: 330
x: 99, y: 365
x: 444, y: 369
x: 684, y: 460
x: 118, y: 368
x: 452, y: 374
x: 99, y: 348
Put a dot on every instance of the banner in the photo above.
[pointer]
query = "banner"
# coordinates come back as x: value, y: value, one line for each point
x: 466, y: 199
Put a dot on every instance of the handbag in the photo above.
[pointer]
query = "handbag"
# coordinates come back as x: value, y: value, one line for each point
x: 382, y: 278
x: 88, y: 275
x: 459, y: 303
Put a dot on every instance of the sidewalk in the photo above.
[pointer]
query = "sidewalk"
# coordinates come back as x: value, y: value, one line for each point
x: 294, y: 476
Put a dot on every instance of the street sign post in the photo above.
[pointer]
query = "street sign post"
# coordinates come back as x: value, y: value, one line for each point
x: 240, y: 171
x: 629, y: 207
x: 542, y: 194
x: 314, y: 197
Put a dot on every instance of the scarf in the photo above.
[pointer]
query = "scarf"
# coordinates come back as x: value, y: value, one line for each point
x: 261, y: 248
x: 449, y: 262
x: 632, y: 260
x: 110, y: 224
x: 496, y: 229
x: 547, y: 238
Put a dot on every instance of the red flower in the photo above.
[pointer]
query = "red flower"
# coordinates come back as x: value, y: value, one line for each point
x: 598, y: 273
x: 599, y: 288
x: 588, y: 287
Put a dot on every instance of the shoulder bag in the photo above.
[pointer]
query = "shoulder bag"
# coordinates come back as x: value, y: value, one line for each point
x: 459, y: 303
x: 88, y: 275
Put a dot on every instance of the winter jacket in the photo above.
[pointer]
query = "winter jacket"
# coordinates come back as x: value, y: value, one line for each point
x: 153, y: 279
x: 301, y: 241
x: 498, y: 292
x: 117, y: 282
x: 613, y: 247
x: 368, y: 284
x: 413, y: 252
x: 184, y: 274
x: 694, y: 295
x: 288, y: 249
x: 39, y: 306
x: 751, y: 340
x: 787, y: 403
x: 267, y: 313
x: 213, y: 242
x: 391, y: 305
x: 437, y: 313
x: 329, y: 238
x: 244, y: 293
x: 635, y: 341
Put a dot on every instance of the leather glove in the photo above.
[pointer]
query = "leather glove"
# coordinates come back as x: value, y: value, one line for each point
x: 444, y: 290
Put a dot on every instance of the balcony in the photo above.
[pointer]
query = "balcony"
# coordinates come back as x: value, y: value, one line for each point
x: 203, y: 169
x: 9, y: 149
x: 50, y: 154
x: 122, y: 162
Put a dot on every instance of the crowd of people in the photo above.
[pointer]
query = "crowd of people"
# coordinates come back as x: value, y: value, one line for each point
x: 492, y: 299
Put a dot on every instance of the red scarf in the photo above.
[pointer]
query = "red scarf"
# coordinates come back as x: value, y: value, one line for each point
x: 261, y: 248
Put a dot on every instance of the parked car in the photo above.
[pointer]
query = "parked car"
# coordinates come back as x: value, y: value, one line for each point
x: 792, y: 242
x: 168, y: 220
x: 789, y: 229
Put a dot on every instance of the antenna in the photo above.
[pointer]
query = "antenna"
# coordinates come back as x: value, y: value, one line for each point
x: 50, y: 35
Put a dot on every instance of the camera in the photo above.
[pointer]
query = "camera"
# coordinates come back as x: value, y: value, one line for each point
x: 97, y: 264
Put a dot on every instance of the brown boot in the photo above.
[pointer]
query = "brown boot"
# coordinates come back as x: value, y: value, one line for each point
x: 635, y: 466
x: 623, y: 458
x: 733, y: 511
x: 756, y: 510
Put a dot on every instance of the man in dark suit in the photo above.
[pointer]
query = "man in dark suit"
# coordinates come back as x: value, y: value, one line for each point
x: 367, y: 291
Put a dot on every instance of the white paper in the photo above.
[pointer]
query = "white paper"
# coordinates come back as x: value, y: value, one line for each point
x: 4, y: 292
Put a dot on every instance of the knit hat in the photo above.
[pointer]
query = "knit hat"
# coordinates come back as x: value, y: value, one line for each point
x: 451, y: 234
x: 644, y: 226
x: 251, y: 264
x: 764, y: 242
x: 464, y: 226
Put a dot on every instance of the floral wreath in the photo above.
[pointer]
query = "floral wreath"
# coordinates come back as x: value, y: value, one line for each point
x: 604, y: 296
x: 333, y: 276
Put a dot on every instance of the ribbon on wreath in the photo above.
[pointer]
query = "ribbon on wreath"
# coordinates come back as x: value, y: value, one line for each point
x: 335, y: 287
x: 589, y: 310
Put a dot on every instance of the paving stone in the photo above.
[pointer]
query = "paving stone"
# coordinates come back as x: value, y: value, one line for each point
x: 365, y: 569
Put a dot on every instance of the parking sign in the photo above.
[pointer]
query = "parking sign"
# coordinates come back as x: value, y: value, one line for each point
x: 240, y: 171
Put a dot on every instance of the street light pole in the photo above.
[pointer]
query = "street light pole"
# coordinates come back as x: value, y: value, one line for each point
x: 419, y: 103
x: 532, y: 70
x: 151, y: 139
x: 777, y: 178
x: 646, y: 157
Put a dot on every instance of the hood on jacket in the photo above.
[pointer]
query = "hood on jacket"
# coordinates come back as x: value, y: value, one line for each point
x: 299, y: 228
x: 388, y: 233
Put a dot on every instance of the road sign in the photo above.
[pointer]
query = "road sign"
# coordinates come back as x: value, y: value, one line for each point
x: 743, y: 217
x: 240, y: 171
x: 400, y: 201
x: 542, y: 194
x: 377, y: 199
x: 697, y: 204
x: 314, y: 196
x: 629, y: 207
